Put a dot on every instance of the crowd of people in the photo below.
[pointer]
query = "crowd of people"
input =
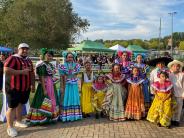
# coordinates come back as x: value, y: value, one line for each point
x: 128, y: 92
x: 96, y: 59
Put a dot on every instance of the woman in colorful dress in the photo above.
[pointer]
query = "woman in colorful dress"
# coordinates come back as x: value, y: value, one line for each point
x: 145, y: 85
x: 100, y: 88
x: 114, y: 100
x: 124, y: 61
x: 135, y: 103
x: 87, y: 91
x: 160, y: 111
x: 71, y: 109
x: 45, y: 105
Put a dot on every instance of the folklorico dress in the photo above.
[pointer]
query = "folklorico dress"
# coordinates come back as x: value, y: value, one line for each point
x: 154, y: 75
x: 87, y: 93
x: 135, y: 103
x: 44, y: 108
x: 99, y: 94
x: 71, y: 109
x: 161, y: 112
x: 115, y: 97
x: 126, y: 67
x: 145, y: 85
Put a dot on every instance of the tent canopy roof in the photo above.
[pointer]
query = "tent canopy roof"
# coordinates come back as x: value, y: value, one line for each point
x: 5, y: 49
x: 136, y: 48
x: 88, y: 45
x: 118, y: 48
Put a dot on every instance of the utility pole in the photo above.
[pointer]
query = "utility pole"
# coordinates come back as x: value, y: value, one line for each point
x: 159, y: 45
x: 172, y: 14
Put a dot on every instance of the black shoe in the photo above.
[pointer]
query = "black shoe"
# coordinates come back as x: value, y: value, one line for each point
x: 159, y: 125
x: 84, y: 115
x: 173, y: 122
x: 177, y: 123
x: 97, y: 116
x: 102, y: 115
x: 88, y: 115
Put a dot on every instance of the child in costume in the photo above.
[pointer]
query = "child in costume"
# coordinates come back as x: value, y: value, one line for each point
x: 135, y: 103
x: 87, y: 91
x: 160, y: 111
x: 145, y: 85
x: 100, y: 88
x: 71, y: 109
x: 115, y: 97
x: 160, y: 64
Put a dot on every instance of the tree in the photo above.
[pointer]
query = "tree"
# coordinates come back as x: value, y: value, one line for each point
x: 181, y: 45
x: 99, y: 41
x: 153, y: 43
x: 41, y: 23
x: 124, y: 43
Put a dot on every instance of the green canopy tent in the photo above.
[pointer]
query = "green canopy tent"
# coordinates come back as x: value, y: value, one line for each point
x: 91, y: 46
x: 136, y: 49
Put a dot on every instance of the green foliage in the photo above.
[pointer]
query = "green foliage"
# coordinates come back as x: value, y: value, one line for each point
x: 181, y: 45
x: 41, y: 23
x: 153, y: 43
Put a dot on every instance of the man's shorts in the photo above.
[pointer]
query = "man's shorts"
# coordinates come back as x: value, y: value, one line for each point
x: 14, y: 97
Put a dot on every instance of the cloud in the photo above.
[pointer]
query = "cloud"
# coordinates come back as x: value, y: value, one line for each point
x: 112, y: 34
x: 126, y: 19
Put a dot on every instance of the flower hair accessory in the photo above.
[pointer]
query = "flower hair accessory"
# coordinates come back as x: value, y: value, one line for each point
x: 160, y: 71
x: 65, y: 53
x: 120, y: 53
x: 44, y: 51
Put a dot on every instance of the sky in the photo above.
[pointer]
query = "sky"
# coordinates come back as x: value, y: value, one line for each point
x: 129, y: 19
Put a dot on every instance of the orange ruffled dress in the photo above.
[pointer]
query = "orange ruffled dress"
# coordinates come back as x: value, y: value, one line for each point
x: 135, y: 108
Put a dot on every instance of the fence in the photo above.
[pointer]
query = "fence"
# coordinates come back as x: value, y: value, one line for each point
x: 177, y: 54
x: 96, y: 68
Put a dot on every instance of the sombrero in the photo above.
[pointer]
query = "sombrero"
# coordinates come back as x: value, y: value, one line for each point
x: 155, y: 61
x: 175, y: 62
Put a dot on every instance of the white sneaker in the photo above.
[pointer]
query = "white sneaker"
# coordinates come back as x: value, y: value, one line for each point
x: 12, y: 132
x: 20, y: 124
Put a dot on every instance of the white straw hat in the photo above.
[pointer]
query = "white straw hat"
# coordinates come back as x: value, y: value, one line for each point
x: 175, y: 62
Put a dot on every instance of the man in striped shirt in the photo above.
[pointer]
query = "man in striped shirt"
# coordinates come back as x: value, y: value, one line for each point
x: 19, y: 81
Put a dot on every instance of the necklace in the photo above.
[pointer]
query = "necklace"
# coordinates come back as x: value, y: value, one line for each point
x: 70, y: 67
x: 89, y: 75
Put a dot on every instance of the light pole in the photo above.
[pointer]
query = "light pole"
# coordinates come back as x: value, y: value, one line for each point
x: 159, y: 46
x: 172, y: 14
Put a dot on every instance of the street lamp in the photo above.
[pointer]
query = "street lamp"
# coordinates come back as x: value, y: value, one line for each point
x: 172, y: 14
